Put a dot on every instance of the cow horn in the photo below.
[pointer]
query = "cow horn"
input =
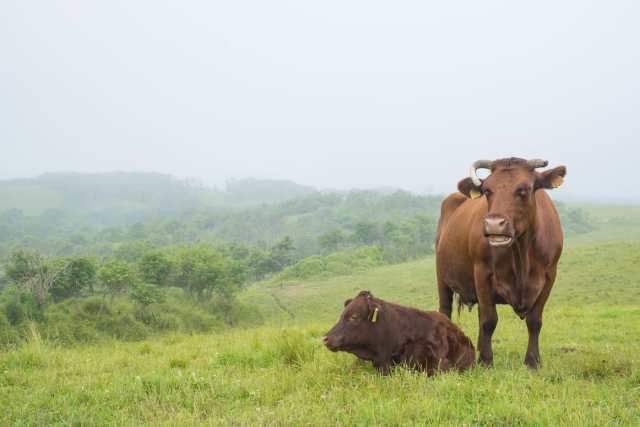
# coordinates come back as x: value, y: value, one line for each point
x: 478, y: 164
x: 537, y: 163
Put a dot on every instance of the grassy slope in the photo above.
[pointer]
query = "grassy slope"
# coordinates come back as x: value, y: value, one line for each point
x: 280, y: 374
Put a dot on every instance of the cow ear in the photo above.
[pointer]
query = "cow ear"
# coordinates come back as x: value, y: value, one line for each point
x: 469, y: 189
x: 552, y: 178
x: 347, y: 301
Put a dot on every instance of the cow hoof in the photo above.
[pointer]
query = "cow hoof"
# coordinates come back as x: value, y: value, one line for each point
x: 532, y: 362
x: 485, y: 363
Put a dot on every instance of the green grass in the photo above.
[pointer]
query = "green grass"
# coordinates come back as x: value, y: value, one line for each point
x: 280, y: 374
x: 611, y: 223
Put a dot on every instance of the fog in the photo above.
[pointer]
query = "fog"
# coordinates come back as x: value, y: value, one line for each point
x: 332, y: 94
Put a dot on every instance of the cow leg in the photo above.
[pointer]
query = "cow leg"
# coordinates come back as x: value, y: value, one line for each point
x: 445, y: 297
x: 384, y: 367
x: 488, y: 319
x: 534, y: 324
x: 382, y: 363
x: 487, y: 316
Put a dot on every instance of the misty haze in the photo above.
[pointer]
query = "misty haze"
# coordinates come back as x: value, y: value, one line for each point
x: 338, y: 95
x: 209, y: 211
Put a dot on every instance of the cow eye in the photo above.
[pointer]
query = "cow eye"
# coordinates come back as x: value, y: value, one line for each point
x: 522, y: 193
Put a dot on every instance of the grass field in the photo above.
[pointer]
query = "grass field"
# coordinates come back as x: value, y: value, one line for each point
x: 280, y: 374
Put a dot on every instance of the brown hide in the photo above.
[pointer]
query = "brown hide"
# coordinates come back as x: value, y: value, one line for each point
x: 388, y: 334
x: 501, y: 248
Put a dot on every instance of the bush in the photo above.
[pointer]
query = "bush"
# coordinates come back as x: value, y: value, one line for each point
x: 15, y: 313
x: 91, y: 319
x: 123, y: 327
x: 158, y: 319
x: 338, y: 263
x: 8, y: 335
x: 94, y: 306
x: 63, y: 328
x: 146, y: 294
x: 76, y: 275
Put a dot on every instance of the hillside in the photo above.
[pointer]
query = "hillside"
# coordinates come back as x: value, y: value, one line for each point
x: 586, y: 274
x: 135, y: 193
x: 97, y: 214
x: 280, y: 374
x: 270, y: 367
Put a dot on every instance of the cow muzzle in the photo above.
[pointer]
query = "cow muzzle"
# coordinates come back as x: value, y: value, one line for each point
x: 331, y: 342
x: 497, y: 231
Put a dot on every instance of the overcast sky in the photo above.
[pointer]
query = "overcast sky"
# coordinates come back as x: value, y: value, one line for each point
x: 333, y: 93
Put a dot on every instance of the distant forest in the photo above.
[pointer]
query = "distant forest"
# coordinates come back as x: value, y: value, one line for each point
x: 85, y: 256
x: 67, y: 214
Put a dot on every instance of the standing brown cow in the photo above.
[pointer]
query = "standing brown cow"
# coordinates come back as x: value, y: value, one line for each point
x: 498, y: 242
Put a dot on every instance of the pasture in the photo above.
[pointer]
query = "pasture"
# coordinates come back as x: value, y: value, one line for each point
x: 280, y: 374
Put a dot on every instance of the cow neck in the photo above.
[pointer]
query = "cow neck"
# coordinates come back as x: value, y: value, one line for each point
x: 386, y: 337
x: 517, y: 259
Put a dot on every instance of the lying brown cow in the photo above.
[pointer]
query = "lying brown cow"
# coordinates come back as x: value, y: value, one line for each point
x: 390, y: 334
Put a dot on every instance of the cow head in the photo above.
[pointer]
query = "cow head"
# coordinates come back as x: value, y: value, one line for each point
x: 510, y: 194
x: 356, y: 324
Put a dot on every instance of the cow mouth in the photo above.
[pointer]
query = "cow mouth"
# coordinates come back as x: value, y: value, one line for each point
x: 497, y: 240
x: 331, y: 348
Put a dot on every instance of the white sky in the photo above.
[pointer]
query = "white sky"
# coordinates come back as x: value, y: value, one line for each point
x: 333, y: 94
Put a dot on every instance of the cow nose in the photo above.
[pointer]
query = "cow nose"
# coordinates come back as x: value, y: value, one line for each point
x: 495, y: 225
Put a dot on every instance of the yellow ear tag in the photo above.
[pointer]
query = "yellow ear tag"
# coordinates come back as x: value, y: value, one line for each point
x: 557, y: 181
x: 474, y: 194
x: 374, y: 318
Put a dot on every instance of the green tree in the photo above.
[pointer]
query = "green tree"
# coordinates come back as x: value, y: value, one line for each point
x: 133, y: 251
x: 281, y: 253
x: 116, y: 276
x: 32, y: 273
x: 22, y: 266
x: 365, y: 232
x: 146, y: 294
x: 260, y: 264
x: 202, y: 271
x: 331, y: 241
x: 155, y: 267
x: 76, y: 275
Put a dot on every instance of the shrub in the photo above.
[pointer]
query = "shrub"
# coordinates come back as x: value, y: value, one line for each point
x: 158, y: 320
x: 76, y: 275
x: 335, y: 264
x: 123, y: 327
x: 155, y: 267
x: 116, y: 276
x: 14, y: 311
x: 146, y: 294
x: 8, y: 335
x: 94, y: 306
x: 66, y: 330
